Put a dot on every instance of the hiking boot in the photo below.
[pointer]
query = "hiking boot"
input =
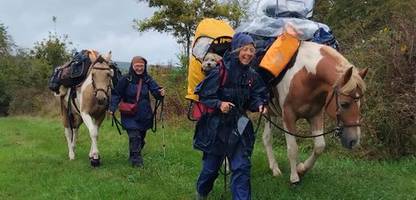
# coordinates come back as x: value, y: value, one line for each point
x: 200, y: 197
x: 138, y: 162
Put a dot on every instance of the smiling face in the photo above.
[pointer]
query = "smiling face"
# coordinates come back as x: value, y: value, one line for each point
x: 138, y: 67
x: 246, y: 54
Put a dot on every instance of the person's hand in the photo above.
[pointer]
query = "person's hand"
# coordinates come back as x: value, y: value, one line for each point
x: 109, y: 112
x: 225, y: 106
x: 262, y: 109
x: 162, y: 92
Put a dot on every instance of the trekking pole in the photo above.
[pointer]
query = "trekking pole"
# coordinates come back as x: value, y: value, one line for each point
x: 225, y: 174
x: 163, y: 127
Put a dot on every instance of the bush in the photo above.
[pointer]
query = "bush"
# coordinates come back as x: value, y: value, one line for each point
x: 381, y: 35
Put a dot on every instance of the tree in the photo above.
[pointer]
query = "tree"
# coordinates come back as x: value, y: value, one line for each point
x: 6, y: 42
x: 6, y: 46
x: 53, y: 50
x: 180, y: 18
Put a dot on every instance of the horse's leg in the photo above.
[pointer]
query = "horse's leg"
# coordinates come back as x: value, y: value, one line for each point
x: 289, y: 123
x: 93, y: 129
x: 316, y: 124
x: 70, y: 139
x: 267, y: 141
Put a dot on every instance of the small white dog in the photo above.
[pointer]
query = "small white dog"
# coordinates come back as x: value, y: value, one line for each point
x: 210, y: 62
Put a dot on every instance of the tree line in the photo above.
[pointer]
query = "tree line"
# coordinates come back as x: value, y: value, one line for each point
x: 379, y: 34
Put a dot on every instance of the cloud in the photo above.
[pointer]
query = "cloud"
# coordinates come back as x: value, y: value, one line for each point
x: 102, y: 25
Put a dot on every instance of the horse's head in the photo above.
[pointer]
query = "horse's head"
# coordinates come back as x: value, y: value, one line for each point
x: 101, y: 74
x: 344, y: 105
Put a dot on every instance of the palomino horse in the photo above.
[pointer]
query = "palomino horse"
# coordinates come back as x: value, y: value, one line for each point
x: 89, y: 105
x: 321, y: 80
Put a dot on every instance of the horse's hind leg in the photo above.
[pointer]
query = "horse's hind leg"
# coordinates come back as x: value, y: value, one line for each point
x: 70, y: 138
x: 267, y: 141
x: 316, y: 124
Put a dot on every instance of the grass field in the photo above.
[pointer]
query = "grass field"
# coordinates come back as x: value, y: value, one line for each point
x: 34, y: 165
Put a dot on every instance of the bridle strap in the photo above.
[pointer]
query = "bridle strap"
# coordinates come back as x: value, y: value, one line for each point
x: 96, y: 90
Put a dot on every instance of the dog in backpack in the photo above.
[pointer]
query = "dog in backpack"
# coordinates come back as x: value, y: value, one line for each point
x: 210, y: 62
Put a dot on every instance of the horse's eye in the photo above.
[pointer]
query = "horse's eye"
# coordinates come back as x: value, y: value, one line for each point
x: 345, y: 105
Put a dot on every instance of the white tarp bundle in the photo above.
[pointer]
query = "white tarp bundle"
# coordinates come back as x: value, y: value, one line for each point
x: 267, y: 22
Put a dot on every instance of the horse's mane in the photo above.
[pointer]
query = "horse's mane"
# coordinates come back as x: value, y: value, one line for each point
x: 342, y: 66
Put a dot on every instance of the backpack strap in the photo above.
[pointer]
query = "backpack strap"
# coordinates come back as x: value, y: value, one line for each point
x: 223, y: 74
x: 139, y: 90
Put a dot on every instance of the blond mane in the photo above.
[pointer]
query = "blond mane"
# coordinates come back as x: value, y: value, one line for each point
x: 342, y: 66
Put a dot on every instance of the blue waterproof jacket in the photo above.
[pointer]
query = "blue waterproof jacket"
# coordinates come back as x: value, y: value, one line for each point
x: 245, y: 89
x: 126, y: 90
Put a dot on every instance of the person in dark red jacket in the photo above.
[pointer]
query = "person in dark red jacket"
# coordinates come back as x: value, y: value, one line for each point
x: 126, y: 90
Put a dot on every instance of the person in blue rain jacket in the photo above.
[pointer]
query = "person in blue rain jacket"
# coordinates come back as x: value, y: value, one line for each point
x: 227, y: 132
x: 126, y: 90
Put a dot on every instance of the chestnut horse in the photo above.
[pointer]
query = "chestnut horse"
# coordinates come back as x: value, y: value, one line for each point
x: 88, y: 103
x: 320, y: 81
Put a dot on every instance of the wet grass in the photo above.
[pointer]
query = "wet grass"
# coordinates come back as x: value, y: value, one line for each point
x: 34, y: 165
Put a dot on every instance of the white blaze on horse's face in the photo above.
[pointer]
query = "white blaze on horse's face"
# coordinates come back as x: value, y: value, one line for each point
x: 101, y: 75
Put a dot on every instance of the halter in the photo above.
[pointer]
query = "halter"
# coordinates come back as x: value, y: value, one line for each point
x: 96, y: 90
x: 340, y: 126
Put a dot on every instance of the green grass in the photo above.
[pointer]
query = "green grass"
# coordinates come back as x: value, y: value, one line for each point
x: 34, y: 165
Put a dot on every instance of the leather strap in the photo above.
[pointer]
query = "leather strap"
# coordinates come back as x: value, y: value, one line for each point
x: 139, y: 90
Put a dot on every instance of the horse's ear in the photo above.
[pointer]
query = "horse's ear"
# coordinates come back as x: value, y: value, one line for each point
x: 347, y: 76
x: 107, y: 57
x: 93, y: 55
x: 363, y: 72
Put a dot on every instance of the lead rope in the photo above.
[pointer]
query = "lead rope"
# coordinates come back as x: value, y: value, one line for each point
x: 118, y: 124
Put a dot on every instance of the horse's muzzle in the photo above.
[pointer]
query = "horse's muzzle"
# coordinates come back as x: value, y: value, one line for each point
x: 350, y: 137
x: 102, y: 101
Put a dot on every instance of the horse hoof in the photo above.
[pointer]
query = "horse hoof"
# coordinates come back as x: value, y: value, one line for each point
x: 295, y: 184
x: 300, y: 168
x: 294, y: 179
x: 276, y: 172
x: 95, y: 162
x: 71, y: 156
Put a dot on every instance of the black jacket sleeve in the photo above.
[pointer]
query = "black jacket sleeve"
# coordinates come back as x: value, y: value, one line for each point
x: 153, y: 87
x: 259, y: 94
x: 117, y: 93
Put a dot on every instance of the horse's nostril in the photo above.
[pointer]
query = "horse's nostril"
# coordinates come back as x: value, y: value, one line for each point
x: 102, y: 101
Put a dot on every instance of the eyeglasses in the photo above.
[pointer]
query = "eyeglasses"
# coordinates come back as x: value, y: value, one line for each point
x: 250, y: 49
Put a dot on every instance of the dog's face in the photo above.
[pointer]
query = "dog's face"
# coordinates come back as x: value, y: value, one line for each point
x: 210, y: 62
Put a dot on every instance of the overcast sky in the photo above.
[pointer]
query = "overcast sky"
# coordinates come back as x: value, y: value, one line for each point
x: 98, y: 24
